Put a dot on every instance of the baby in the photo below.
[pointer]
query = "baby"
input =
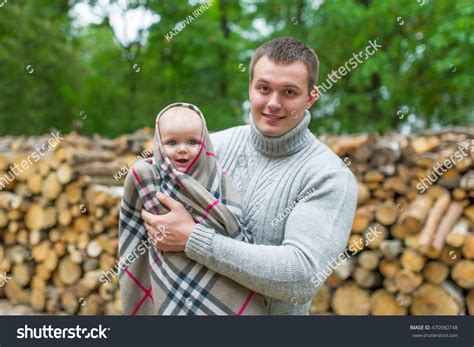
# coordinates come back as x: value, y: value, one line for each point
x: 184, y: 167
x: 180, y: 130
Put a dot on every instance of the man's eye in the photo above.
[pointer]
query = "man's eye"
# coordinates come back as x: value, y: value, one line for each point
x: 289, y: 92
x: 263, y: 89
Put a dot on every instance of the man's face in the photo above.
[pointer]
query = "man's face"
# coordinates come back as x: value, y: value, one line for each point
x: 279, y: 95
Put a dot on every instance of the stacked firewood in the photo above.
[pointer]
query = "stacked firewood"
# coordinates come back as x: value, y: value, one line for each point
x: 412, y: 240
x: 59, y: 220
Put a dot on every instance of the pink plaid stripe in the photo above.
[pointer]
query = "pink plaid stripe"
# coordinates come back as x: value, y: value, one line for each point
x: 196, y: 158
x: 206, y: 211
x: 144, y: 188
x: 246, y: 302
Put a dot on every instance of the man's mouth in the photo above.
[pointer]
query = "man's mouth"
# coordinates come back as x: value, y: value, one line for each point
x: 272, y: 117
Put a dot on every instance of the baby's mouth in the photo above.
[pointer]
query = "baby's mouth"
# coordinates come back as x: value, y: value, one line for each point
x: 181, y: 161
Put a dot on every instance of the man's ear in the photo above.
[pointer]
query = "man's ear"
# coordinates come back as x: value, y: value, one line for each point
x: 313, y: 96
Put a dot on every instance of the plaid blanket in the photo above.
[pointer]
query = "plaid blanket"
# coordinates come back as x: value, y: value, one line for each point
x: 153, y: 282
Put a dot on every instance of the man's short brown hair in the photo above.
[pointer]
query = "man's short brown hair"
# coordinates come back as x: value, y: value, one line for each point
x: 287, y: 50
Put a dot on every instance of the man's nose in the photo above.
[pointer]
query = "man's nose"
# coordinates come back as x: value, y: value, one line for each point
x: 274, y: 102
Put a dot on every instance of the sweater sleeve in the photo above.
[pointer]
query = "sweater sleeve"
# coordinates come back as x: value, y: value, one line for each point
x: 316, y: 232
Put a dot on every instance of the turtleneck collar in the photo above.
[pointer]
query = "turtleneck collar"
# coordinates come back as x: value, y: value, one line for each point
x: 283, y: 145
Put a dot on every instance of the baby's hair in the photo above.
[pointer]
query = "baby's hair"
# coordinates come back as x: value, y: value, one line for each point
x: 183, y: 111
x: 179, y: 114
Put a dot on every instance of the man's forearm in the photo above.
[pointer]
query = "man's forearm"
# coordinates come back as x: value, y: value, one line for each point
x: 280, y: 272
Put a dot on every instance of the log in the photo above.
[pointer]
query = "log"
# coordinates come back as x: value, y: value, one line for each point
x: 92, y: 306
x: 433, y: 300
x: 362, y: 219
x: 343, y: 271
x: 458, y: 233
x: 469, y: 213
x: 404, y: 300
x: 463, y: 274
x: 424, y: 144
x: 436, y: 272
x: 412, y: 260
x: 16, y: 293
x: 38, y: 299
x: 390, y: 249
x: 375, y: 235
x: 365, y: 278
x: 450, y: 255
x: 51, y: 187
x: 69, y: 271
x: 69, y: 302
x: 406, y: 281
x: 390, y: 285
x: 350, y: 300
x: 432, y: 222
x: 386, y: 214
x: 368, y: 260
x: 468, y: 248
x: 447, y: 223
x: 363, y: 194
x: 389, y: 268
x: 321, y: 301
x: 470, y: 302
x: 21, y: 273
x: 35, y: 217
x: 416, y: 213
x: 383, y: 303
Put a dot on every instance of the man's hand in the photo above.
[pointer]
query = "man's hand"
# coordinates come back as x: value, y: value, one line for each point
x: 169, y: 232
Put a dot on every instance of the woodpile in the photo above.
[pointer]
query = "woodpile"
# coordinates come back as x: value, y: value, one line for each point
x: 421, y: 262
x: 59, y: 220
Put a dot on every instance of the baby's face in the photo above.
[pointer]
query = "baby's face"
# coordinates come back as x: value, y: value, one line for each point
x: 180, y: 131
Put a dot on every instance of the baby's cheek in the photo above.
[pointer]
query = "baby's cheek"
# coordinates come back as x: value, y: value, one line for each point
x: 194, y: 152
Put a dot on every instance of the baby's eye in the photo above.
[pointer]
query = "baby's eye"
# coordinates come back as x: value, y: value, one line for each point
x: 171, y: 143
x: 193, y: 142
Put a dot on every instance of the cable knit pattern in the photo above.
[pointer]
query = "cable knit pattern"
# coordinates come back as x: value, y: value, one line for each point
x: 271, y: 174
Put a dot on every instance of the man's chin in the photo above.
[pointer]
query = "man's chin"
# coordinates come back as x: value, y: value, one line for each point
x: 270, y: 131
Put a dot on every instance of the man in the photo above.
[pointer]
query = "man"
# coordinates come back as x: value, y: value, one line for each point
x: 299, y: 198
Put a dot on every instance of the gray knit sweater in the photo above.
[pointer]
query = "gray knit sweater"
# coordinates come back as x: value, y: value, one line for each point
x: 299, y: 201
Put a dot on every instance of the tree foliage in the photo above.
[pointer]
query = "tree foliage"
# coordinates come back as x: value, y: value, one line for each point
x: 54, y: 74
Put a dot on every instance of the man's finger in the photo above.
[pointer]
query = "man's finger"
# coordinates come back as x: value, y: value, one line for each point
x: 150, y: 218
x: 168, y: 201
x: 146, y: 216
